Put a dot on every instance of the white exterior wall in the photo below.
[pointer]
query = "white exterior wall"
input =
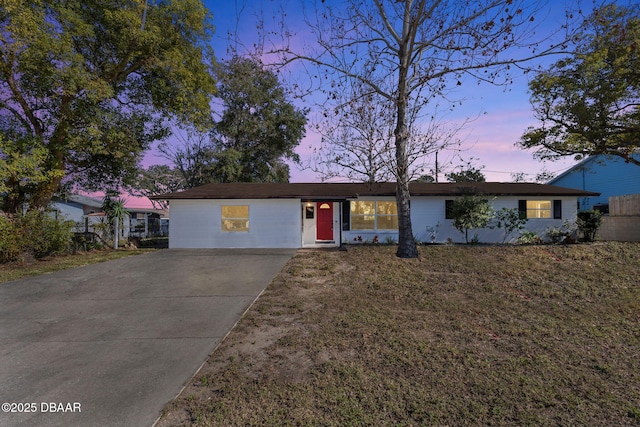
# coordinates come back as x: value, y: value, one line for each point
x: 278, y: 223
x: 429, y: 223
x: 430, y: 212
x: 272, y: 224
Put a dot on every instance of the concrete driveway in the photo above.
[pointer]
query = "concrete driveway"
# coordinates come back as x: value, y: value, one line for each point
x: 109, y: 344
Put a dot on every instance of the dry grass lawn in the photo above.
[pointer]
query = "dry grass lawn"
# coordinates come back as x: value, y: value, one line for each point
x: 465, y: 335
x: 18, y: 270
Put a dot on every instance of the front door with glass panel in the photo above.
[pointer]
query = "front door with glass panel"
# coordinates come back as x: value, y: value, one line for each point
x: 324, y: 221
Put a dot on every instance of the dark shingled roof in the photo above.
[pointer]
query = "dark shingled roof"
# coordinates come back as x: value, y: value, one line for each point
x: 343, y: 191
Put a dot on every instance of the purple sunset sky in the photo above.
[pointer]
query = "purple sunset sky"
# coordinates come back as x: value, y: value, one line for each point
x: 499, y: 115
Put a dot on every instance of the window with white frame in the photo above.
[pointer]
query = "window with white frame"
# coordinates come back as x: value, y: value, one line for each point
x: 235, y: 218
x: 373, y: 215
x: 540, y: 209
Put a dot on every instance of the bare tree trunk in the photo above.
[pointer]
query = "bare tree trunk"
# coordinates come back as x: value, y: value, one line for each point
x: 45, y: 192
x: 406, y: 243
x: 43, y: 195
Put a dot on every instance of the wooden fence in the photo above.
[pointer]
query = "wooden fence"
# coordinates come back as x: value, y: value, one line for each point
x: 623, y: 221
x: 624, y: 205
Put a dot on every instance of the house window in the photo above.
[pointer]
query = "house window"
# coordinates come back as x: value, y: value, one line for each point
x: 386, y: 216
x: 235, y: 218
x: 346, y: 216
x: 448, y: 209
x: 540, y: 209
x: 309, y: 212
x: 373, y: 215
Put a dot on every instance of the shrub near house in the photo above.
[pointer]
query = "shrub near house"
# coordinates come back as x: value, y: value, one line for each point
x: 33, y: 234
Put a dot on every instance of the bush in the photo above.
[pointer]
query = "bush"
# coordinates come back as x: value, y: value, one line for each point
x: 563, y: 234
x: 51, y: 236
x: 588, y: 223
x: 529, y: 238
x: 10, y: 247
x: 34, y: 233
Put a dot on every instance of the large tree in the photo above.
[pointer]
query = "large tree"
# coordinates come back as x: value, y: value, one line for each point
x: 589, y: 103
x: 155, y: 180
x: 357, y: 127
x: 86, y: 85
x: 260, y: 127
x: 256, y: 130
x: 195, y: 159
x: 419, y: 48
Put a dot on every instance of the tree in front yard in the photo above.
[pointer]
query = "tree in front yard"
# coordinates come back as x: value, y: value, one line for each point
x: 509, y: 220
x: 420, y: 51
x: 470, y: 212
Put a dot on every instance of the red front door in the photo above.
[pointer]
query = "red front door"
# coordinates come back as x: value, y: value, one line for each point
x: 324, y: 221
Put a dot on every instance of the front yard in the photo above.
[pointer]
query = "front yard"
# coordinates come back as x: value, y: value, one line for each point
x: 465, y: 335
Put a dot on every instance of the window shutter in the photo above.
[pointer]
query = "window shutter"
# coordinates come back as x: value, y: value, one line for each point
x: 557, y: 209
x: 448, y: 208
x: 522, y: 209
x: 346, y: 215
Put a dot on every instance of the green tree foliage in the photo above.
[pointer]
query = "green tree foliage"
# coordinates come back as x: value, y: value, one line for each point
x: 195, y: 160
x: 158, y: 179
x: 86, y: 85
x: 466, y: 173
x: 470, y: 212
x: 22, y: 170
x: 34, y: 234
x: 589, y: 103
x: 259, y: 128
x: 155, y: 180
x: 425, y: 178
x: 257, y: 131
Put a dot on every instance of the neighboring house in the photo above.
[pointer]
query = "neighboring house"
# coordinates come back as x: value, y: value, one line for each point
x: 147, y: 222
x: 75, y: 207
x: 87, y: 213
x: 607, y: 175
x: 282, y: 215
